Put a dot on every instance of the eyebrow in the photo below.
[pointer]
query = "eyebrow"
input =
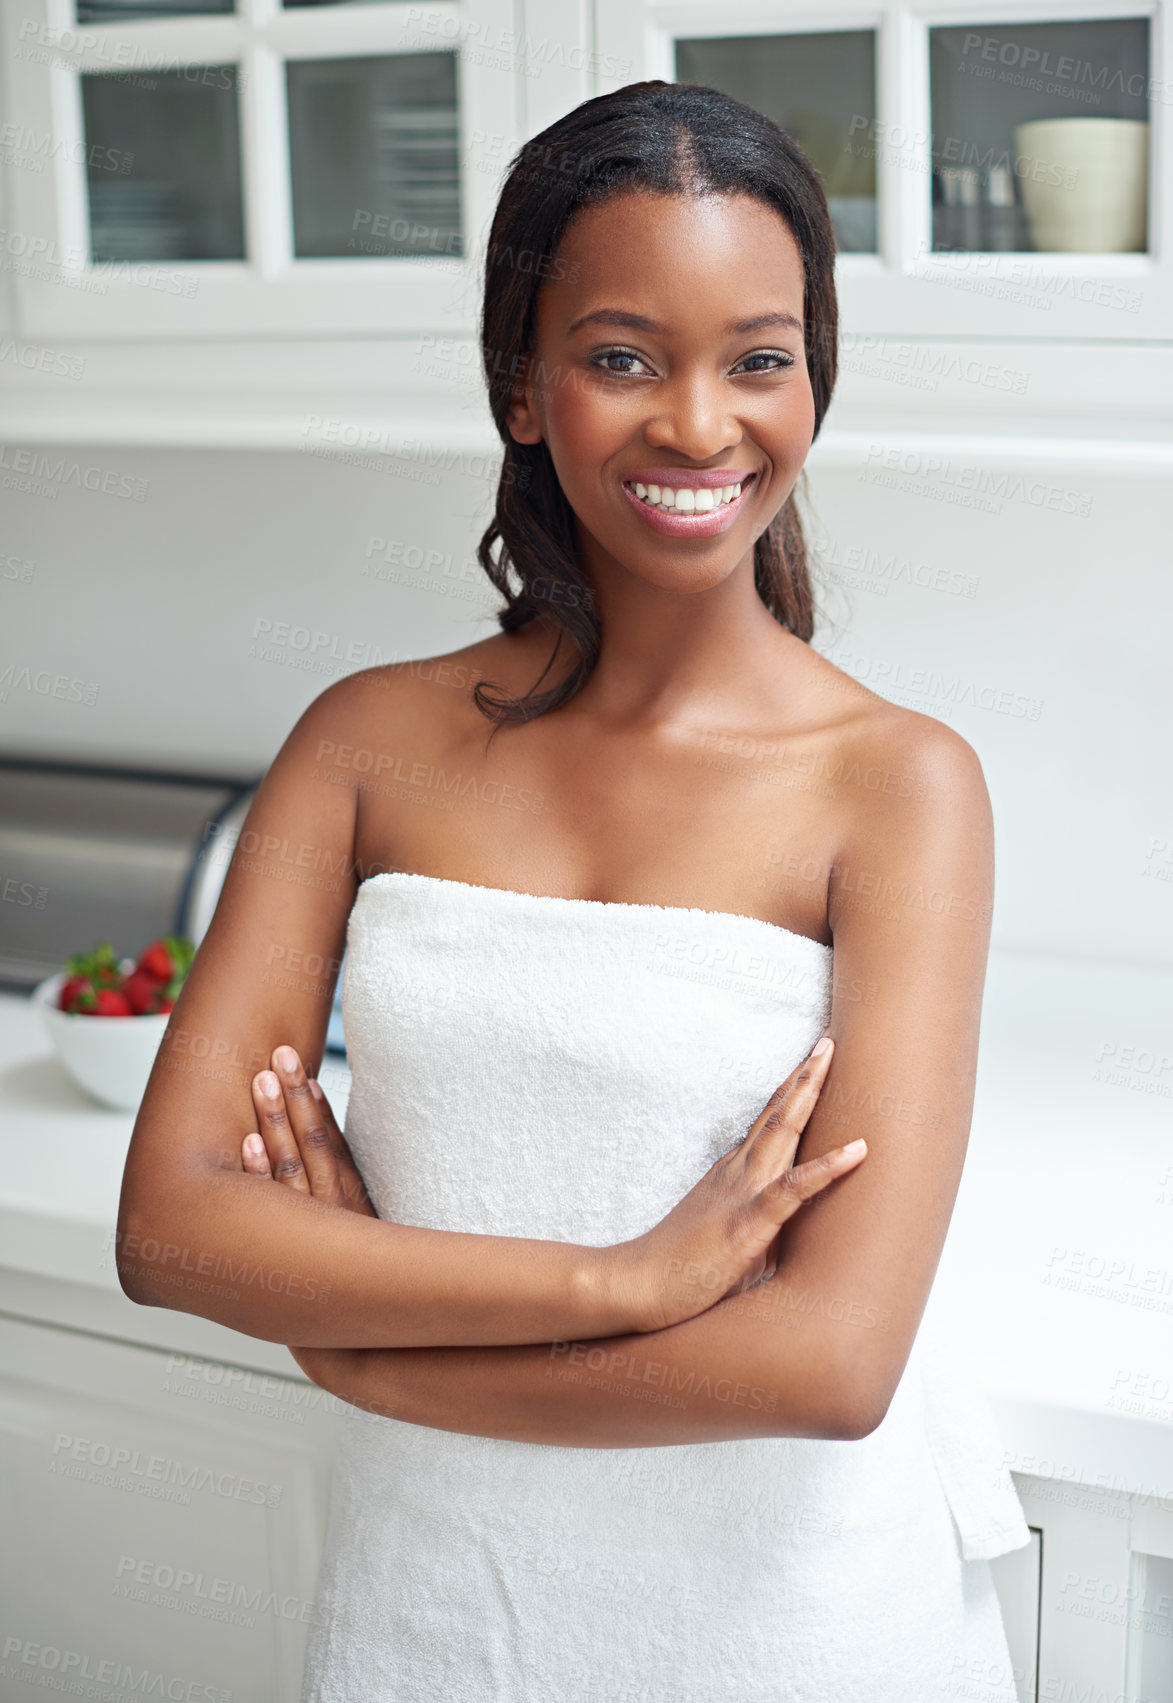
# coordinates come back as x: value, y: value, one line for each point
x: 640, y: 322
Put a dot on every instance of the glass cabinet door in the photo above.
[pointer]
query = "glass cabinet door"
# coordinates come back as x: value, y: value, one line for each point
x: 163, y: 165
x: 374, y: 160
x: 1040, y: 136
x: 273, y: 167
x: 821, y: 89
x: 986, y: 177
x: 374, y: 149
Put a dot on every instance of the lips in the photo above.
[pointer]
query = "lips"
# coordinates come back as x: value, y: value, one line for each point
x: 699, y: 505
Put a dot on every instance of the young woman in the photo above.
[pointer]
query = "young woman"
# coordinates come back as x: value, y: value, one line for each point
x: 625, y: 1419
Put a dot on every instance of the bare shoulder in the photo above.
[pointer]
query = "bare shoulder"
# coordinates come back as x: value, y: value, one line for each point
x: 892, y: 764
x: 909, y: 830
x: 431, y: 685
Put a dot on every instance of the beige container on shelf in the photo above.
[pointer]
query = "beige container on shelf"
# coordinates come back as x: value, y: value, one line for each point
x: 1084, y: 184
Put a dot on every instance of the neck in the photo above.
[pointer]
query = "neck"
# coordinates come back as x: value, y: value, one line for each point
x: 668, y: 656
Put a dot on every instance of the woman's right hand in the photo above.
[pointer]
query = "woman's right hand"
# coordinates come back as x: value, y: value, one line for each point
x: 723, y: 1236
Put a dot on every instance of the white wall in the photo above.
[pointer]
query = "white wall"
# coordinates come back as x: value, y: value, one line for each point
x: 170, y: 605
x: 1070, y: 620
x: 159, y: 606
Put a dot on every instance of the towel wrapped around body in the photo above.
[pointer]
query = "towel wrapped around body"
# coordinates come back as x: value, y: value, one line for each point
x: 525, y: 1065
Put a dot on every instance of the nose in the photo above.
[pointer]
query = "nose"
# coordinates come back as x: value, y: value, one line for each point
x: 691, y: 416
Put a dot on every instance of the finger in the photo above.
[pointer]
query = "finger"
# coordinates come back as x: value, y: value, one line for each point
x: 353, y: 1188
x: 277, y: 1132
x: 773, y: 1140
x: 803, y: 1182
x: 254, y: 1156
x: 309, y: 1129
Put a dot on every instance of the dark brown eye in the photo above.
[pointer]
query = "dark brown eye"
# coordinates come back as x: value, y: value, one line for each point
x: 778, y: 357
x: 629, y: 355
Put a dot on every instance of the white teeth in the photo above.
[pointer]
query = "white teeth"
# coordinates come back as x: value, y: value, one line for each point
x: 684, y: 499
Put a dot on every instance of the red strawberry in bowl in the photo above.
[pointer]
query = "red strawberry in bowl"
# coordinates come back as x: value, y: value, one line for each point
x: 77, y: 994
x: 142, y: 991
x: 167, y: 960
x: 112, y: 1060
x: 155, y: 960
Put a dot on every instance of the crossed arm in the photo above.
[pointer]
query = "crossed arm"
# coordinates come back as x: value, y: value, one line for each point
x: 536, y: 1341
x: 708, y: 1378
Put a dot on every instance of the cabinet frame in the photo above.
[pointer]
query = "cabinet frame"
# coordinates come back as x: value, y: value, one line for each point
x: 906, y: 289
x: 270, y: 292
x: 265, y: 345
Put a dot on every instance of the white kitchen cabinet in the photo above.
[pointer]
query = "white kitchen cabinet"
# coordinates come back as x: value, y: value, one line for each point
x: 269, y: 171
x: 935, y: 125
x: 1018, y: 1579
x: 263, y: 285
x: 1088, y: 1605
x: 162, y: 1515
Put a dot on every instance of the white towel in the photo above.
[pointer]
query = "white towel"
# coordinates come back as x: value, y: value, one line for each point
x: 535, y: 1066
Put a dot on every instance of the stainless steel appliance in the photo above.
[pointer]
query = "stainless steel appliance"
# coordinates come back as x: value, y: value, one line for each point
x: 90, y: 853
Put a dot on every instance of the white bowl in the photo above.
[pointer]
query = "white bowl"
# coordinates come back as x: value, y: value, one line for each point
x: 1084, y: 183
x: 110, y: 1057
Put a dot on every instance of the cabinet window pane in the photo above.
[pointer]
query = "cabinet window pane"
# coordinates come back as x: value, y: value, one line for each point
x: 108, y: 11
x: 163, y: 164
x: 375, y: 156
x: 1041, y: 136
x: 821, y: 89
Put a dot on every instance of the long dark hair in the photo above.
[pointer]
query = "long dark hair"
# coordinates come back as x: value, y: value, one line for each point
x: 668, y: 139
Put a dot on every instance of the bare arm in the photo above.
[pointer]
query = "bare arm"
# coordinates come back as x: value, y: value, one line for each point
x: 755, y: 1365
x: 199, y: 1233
x: 819, y: 1349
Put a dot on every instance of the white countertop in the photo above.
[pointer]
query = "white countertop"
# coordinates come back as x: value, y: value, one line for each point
x: 1058, y: 1268
x: 61, y: 1161
x: 1057, y: 1276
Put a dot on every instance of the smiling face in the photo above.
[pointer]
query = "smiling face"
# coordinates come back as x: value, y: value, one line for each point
x: 669, y: 383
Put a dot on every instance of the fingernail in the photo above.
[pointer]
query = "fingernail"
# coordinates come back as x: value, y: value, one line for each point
x: 315, y: 1088
x: 854, y: 1147
x: 285, y: 1059
x: 821, y: 1047
x: 268, y: 1085
x: 253, y: 1146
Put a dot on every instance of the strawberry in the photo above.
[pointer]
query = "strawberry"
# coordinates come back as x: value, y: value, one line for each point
x: 95, y: 985
x: 99, y: 966
x: 91, y: 975
x: 168, y: 960
x: 155, y: 960
x: 142, y: 991
x: 77, y: 994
